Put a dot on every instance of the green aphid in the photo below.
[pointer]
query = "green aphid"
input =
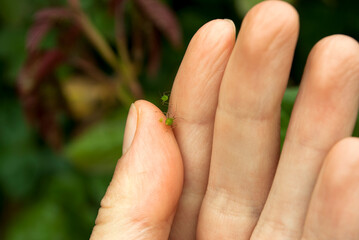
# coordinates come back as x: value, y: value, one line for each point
x: 165, y: 98
x: 169, y: 121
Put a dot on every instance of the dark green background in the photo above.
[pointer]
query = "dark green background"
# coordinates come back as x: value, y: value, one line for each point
x: 48, y: 195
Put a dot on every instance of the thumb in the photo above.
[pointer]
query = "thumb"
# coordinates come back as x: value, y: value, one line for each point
x: 141, y: 199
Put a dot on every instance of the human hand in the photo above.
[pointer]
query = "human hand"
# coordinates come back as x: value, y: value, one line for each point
x: 216, y: 175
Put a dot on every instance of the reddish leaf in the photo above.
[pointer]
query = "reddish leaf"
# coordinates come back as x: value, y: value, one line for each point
x: 36, y: 34
x: 163, y: 18
x: 37, y: 67
x: 39, y: 106
x: 50, y: 129
x: 49, y: 62
x: 54, y: 14
x: 42, y: 116
x: 44, y: 21
x: 25, y: 79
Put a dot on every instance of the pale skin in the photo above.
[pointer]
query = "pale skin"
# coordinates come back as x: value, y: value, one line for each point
x: 220, y: 174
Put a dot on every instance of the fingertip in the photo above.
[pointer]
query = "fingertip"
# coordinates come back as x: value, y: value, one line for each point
x: 151, y: 129
x: 143, y: 116
x: 334, y: 61
x: 341, y: 45
x: 201, y: 71
x: 282, y: 12
x: 330, y: 83
x: 214, y: 37
x: 342, y: 162
x: 216, y: 27
x: 230, y: 22
x: 340, y: 170
x: 348, y: 146
x: 333, y: 211
x: 269, y: 23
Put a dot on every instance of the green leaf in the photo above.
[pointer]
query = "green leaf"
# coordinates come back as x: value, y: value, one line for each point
x: 80, y: 213
x: 12, y: 52
x: 42, y: 221
x: 19, y: 164
x: 99, y: 147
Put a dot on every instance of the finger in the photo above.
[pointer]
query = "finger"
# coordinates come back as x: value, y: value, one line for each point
x: 141, y: 199
x: 324, y: 112
x: 334, y: 209
x: 193, y: 103
x: 246, y: 135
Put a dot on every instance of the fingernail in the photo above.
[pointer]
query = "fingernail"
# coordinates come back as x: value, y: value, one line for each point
x: 232, y: 23
x: 130, y: 130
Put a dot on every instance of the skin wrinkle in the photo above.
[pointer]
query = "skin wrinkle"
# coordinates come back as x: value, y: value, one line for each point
x: 238, y: 116
x: 193, y: 122
x: 252, y: 175
x: 227, y: 196
x: 139, y: 227
x: 285, y: 229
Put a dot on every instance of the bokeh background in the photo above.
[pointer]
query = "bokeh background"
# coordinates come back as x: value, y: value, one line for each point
x: 68, y: 72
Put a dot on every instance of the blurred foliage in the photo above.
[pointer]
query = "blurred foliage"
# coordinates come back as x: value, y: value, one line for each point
x: 82, y: 152
x: 47, y: 194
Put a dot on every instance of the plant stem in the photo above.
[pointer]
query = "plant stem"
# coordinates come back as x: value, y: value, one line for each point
x: 94, y: 36
x: 121, y: 67
x: 125, y: 64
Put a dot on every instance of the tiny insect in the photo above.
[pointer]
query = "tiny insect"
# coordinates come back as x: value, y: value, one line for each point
x: 165, y: 98
x: 169, y: 121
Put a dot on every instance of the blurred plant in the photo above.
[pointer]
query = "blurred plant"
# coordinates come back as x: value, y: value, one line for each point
x: 82, y: 76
